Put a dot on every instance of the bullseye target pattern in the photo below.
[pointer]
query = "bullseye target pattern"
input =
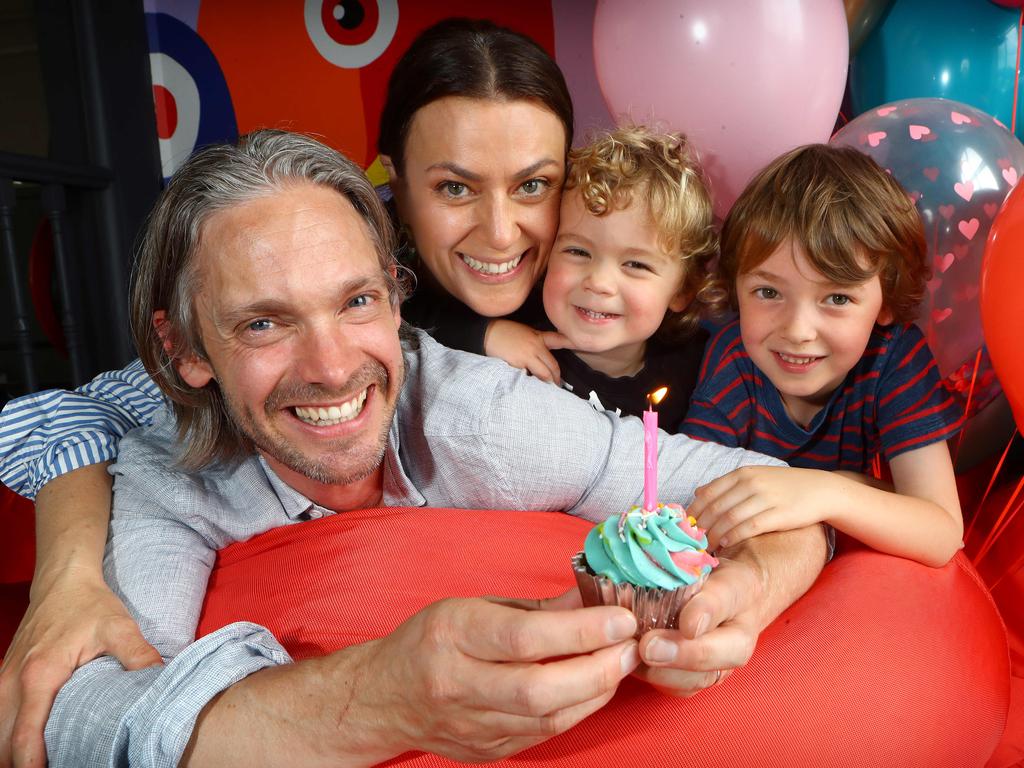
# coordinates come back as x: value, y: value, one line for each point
x: 176, y: 98
x: 351, y: 33
x: 190, y: 95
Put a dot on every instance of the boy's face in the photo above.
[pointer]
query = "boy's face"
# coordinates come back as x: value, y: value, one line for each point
x: 802, y: 330
x: 609, y: 284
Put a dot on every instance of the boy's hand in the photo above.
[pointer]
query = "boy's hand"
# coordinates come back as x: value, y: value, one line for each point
x: 523, y: 347
x: 753, y: 500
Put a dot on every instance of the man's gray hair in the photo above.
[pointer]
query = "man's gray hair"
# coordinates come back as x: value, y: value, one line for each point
x: 166, y: 276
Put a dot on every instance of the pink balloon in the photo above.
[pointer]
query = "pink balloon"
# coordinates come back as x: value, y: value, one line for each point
x: 746, y: 80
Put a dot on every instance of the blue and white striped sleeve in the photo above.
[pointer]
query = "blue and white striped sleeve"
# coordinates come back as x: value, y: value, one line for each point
x: 50, y: 433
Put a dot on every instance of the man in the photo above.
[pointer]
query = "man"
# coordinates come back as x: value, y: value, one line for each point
x: 266, y: 306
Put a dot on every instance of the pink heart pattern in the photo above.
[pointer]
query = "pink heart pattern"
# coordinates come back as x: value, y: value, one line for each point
x: 966, y: 293
x: 960, y: 250
x: 917, y: 131
x: 968, y: 228
x: 990, y: 209
x: 1010, y: 174
x: 914, y: 197
x: 959, y: 119
x: 875, y: 138
x: 964, y: 189
x: 934, y: 285
x: 883, y: 111
x: 944, y: 261
x: 946, y: 211
x: 931, y: 173
x: 938, y: 315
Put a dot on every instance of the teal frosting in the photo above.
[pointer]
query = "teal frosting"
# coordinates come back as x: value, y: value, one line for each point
x: 658, y: 549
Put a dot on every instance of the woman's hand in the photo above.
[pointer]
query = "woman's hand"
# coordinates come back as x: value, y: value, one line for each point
x: 753, y: 500
x: 72, y: 619
x: 524, y: 347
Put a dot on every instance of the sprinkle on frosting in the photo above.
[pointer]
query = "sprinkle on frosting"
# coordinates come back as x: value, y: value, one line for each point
x: 663, y: 548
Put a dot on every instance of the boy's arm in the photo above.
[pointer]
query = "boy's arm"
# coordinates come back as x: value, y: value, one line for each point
x: 920, y: 519
x: 524, y: 347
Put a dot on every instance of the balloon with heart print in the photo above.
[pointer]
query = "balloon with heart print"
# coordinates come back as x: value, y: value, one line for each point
x: 957, y: 164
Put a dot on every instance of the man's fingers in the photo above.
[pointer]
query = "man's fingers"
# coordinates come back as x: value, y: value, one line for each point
x: 727, y: 647
x: 678, y: 682
x: 729, y: 589
x: 125, y: 642
x: 492, y: 632
x: 540, y: 690
x: 564, y: 602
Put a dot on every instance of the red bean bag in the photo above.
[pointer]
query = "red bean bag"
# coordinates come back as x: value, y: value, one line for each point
x: 17, y: 562
x: 884, y: 662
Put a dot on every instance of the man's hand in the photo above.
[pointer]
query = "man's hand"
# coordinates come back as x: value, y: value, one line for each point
x: 753, y: 500
x: 471, y: 679
x: 71, y: 620
x: 523, y: 347
x: 718, y: 630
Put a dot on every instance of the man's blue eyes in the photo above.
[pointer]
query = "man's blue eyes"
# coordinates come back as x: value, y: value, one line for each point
x: 357, y: 302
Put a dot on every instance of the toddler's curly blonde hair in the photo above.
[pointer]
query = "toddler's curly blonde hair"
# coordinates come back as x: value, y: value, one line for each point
x: 636, y: 165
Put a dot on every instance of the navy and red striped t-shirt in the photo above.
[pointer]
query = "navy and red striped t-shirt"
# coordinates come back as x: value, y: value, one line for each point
x: 891, y: 402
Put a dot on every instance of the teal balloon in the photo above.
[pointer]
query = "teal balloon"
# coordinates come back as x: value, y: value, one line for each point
x: 962, y: 50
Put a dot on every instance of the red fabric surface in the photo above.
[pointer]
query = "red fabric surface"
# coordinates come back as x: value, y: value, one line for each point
x: 884, y: 662
x: 17, y: 521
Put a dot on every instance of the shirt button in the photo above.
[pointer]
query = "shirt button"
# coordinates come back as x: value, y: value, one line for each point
x: 315, y: 514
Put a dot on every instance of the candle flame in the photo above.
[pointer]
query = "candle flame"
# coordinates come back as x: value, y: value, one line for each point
x: 655, y: 397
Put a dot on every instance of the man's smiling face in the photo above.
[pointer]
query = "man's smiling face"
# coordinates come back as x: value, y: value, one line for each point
x: 300, y: 333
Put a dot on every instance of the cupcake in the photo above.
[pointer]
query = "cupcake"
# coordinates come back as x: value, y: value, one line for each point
x: 649, y: 562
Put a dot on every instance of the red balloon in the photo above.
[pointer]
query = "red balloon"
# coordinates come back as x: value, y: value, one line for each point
x: 1002, y: 278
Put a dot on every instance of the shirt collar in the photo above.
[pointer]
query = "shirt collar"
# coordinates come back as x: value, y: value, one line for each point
x: 399, y: 490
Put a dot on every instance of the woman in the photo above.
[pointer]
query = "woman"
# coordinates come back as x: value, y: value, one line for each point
x: 474, y: 135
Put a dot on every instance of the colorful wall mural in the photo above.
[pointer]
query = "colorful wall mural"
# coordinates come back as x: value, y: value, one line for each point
x: 222, y: 68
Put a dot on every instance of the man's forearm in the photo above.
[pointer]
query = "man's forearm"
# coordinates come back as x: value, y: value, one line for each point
x: 305, y: 713
x: 72, y: 517
x: 787, y: 562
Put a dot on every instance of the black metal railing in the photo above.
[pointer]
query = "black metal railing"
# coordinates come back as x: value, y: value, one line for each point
x: 55, y: 181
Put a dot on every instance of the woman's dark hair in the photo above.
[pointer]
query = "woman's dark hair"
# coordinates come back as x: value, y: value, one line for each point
x: 476, y: 59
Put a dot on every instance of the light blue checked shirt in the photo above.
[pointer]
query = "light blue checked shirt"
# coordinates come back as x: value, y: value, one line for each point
x: 469, y: 432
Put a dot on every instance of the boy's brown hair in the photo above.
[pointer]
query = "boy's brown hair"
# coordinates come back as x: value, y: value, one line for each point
x: 659, y: 170
x: 852, y: 219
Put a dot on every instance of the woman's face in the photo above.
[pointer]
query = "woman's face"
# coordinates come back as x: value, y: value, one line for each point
x: 480, y: 193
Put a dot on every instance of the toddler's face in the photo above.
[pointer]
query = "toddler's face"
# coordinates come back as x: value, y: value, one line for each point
x: 609, y: 284
x: 803, y: 331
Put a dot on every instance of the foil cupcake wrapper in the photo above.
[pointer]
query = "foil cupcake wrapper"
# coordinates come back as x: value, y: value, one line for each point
x: 654, y: 607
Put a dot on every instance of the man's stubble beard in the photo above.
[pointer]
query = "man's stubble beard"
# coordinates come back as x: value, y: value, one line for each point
x: 363, y: 456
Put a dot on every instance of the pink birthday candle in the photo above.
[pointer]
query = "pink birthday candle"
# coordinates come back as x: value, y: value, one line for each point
x: 651, y: 450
